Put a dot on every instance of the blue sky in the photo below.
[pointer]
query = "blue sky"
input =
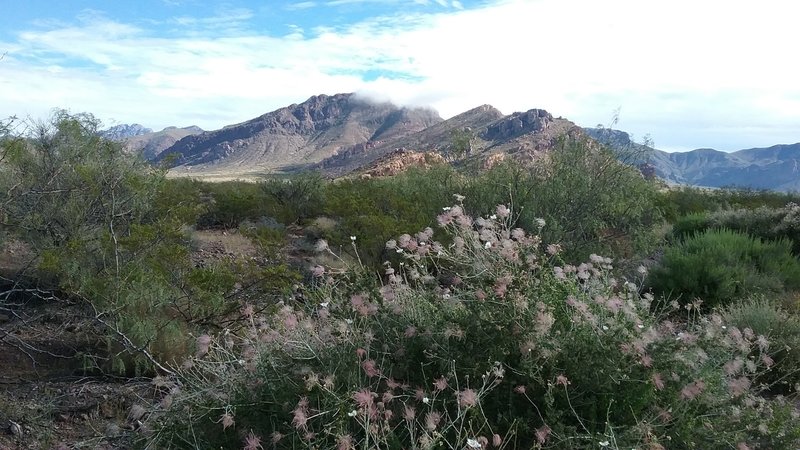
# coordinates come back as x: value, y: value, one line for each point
x: 689, y: 73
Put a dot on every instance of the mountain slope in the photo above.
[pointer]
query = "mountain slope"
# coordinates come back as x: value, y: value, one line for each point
x: 776, y: 167
x: 297, y: 135
x: 151, y: 144
x: 124, y: 131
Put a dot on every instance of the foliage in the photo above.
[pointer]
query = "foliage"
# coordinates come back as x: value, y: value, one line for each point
x: 719, y: 266
x: 764, y: 222
x: 298, y: 198
x: 764, y: 317
x: 500, y: 344
x: 109, y: 230
x: 680, y: 201
x: 592, y: 203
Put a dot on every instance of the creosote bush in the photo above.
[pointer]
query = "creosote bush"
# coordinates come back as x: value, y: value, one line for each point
x: 720, y: 266
x: 488, y: 341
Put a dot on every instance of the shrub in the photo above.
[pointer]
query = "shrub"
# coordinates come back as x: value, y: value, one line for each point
x: 488, y: 341
x: 718, y: 266
x: 783, y: 331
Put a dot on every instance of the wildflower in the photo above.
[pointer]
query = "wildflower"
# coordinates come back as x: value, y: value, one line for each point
x: 363, y: 398
x: 553, y: 249
x: 502, y: 211
x: 203, y: 343
x: 562, y: 380
x: 252, y: 442
x: 300, y: 412
x: 352, y: 238
x: 426, y: 400
x: 432, y: 420
x: 472, y: 443
x: 520, y: 389
x: 276, y: 437
x: 409, y: 413
x: 352, y: 413
x: 317, y: 271
x: 738, y: 386
x: 692, y: 390
x: 391, y: 244
x: 344, y: 442
x: 497, y: 440
x: 542, y: 434
x: 440, y: 384
x: 370, y: 368
x: 540, y: 223
x: 658, y: 382
x: 227, y: 420
x: 459, y: 197
x: 604, y: 444
x: 487, y: 245
x: 467, y: 398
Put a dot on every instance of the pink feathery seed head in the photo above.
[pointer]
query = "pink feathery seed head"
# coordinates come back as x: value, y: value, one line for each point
x: 370, y: 368
x: 252, y: 442
x: 361, y: 353
x: 248, y: 311
x: 692, y: 390
x: 467, y: 398
x: 502, y: 211
x: 497, y: 441
x: 411, y: 331
x: 344, y: 442
x: 364, y: 398
x: 480, y: 295
x: 542, y: 434
x: 432, y: 420
x: 276, y: 437
x: 203, y: 344
x: 444, y: 219
x: 440, y: 384
x: 657, y: 380
x: 404, y: 240
x: 392, y: 384
x: 387, y: 397
x: 391, y: 244
x: 227, y: 420
x: 562, y: 380
x: 409, y: 413
x: 739, y: 386
x: 419, y: 394
x: 317, y: 271
x: 520, y: 389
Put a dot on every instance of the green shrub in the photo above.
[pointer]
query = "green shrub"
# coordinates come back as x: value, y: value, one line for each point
x: 782, y: 329
x: 718, y: 266
x: 486, y: 340
x: 690, y: 224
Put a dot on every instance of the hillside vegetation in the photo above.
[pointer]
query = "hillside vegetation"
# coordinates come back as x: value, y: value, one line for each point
x: 565, y: 304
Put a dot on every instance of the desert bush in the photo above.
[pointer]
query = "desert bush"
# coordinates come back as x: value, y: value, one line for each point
x: 592, y: 202
x: 230, y: 203
x: 297, y: 198
x: 487, y: 342
x: 684, y: 200
x: 719, y: 266
x: 782, y: 328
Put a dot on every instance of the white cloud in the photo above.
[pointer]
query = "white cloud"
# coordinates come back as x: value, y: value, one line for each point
x: 719, y: 73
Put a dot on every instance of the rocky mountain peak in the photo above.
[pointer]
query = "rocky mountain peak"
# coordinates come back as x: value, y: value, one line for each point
x: 519, y: 123
x: 124, y: 131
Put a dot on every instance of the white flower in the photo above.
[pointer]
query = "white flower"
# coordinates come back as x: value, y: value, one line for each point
x: 493, y: 217
x: 487, y: 245
x: 640, y: 326
x: 352, y: 413
x: 446, y: 208
x: 472, y: 443
x: 324, y: 304
x: 426, y: 400
x: 605, y: 444
x: 459, y: 197
x: 605, y: 328
x: 540, y: 223
x: 353, y: 238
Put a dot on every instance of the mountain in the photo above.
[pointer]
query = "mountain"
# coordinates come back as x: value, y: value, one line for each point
x: 151, y: 144
x: 297, y: 136
x: 776, y: 168
x: 124, y: 131
x: 488, y: 137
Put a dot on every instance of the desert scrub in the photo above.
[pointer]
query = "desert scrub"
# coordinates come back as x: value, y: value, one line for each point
x: 720, y: 266
x: 783, y: 330
x: 490, y: 341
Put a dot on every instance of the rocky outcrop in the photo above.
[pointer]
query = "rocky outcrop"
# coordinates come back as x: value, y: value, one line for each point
x: 400, y: 161
x: 124, y: 131
x: 532, y: 121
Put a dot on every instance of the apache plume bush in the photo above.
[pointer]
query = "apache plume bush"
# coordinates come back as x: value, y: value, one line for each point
x: 484, y: 339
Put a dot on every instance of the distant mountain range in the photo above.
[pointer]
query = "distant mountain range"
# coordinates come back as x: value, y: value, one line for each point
x: 124, y: 131
x: 345, y: 133
x: 776, y: 168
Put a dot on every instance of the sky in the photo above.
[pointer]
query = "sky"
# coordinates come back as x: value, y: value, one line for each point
x: 687, y: 73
